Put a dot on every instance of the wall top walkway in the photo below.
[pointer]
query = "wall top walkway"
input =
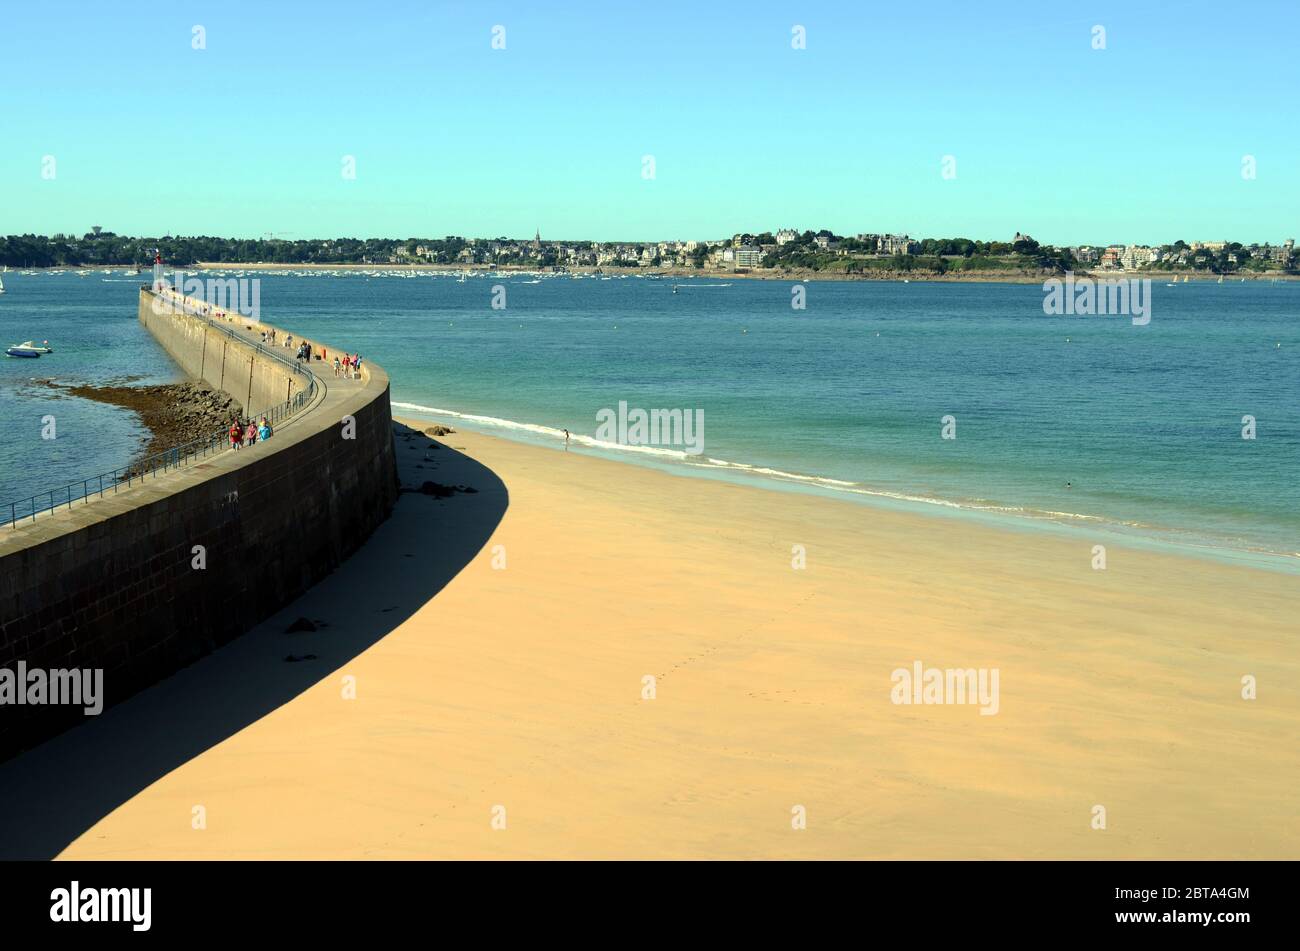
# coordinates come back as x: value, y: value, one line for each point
x: 335, y: 399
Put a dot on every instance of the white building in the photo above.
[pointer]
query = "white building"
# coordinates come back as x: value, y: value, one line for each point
x: 1135, y: 256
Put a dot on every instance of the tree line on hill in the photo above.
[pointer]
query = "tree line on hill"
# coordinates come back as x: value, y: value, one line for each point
x: 108, y: 249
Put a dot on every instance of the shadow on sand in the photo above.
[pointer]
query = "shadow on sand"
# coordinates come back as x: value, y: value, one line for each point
x: 52, y: 794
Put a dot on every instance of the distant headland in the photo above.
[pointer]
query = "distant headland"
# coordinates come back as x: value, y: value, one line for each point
x: 782, y: 254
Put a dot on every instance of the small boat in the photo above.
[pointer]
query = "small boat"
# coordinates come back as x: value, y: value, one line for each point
x: 25, y: 350
x: 38, y: 349
x: 2, y: 287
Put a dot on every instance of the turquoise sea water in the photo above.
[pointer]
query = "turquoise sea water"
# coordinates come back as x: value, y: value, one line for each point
x: 90, y: 322
x: 844, y: 397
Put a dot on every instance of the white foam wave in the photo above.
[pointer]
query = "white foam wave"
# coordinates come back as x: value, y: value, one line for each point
x: 741, y: 468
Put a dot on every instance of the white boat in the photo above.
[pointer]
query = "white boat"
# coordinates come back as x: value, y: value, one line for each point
x: 27, y: 349
x: 42, y: 347
x: 2, y: 287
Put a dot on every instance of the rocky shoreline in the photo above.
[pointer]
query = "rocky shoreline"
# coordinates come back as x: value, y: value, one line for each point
x: 173, y: 413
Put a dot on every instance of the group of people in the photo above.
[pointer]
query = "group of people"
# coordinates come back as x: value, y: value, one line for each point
x: 247, y: 434
x: 349, y: 366
x: 268, y: 336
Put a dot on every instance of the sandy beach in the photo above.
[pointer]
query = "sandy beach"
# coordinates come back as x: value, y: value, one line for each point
x: 497, y: 645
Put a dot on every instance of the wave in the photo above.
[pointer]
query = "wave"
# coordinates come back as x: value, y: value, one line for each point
x: 540, y: 430
x: 826, y: 483
x: 740, y: 468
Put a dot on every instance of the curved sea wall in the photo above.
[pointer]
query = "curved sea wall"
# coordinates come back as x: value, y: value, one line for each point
x: 144, y: 581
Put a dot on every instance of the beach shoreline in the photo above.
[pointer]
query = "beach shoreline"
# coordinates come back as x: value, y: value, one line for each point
x: 771, y: 626
x: 914, y: 276
x: 794, y: 274
x: 1006, y: 515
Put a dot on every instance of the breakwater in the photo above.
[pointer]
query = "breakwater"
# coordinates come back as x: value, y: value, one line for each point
x: 146, y: 579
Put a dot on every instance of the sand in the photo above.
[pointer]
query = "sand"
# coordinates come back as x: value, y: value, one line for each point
x: 514, y: 695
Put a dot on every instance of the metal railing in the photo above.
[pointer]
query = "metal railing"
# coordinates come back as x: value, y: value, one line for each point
x: 108, y: 483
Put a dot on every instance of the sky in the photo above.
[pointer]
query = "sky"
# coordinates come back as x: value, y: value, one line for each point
x: 1144, y: 141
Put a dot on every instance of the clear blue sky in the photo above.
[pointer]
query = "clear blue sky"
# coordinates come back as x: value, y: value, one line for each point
x: 1140, y: 142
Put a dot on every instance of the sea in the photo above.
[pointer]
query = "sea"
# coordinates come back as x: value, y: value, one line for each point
x: 958, y: 400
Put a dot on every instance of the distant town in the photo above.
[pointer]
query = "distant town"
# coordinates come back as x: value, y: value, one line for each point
x: 768, y: 252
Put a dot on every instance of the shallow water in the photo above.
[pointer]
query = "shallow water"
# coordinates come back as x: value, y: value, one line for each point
x: 1144, y: 423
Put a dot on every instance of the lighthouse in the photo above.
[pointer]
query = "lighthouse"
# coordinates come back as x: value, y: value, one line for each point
x: 157, y: 270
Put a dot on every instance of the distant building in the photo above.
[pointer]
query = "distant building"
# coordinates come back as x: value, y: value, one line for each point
x: 1110, y: 257
x: 786, y: 235
x: 894, y: 244
x: 748, y: 257
x: 1135, y: 256
x: 823, y: 241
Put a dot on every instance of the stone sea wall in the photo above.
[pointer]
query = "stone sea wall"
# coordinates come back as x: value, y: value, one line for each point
x: 115, y: 583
